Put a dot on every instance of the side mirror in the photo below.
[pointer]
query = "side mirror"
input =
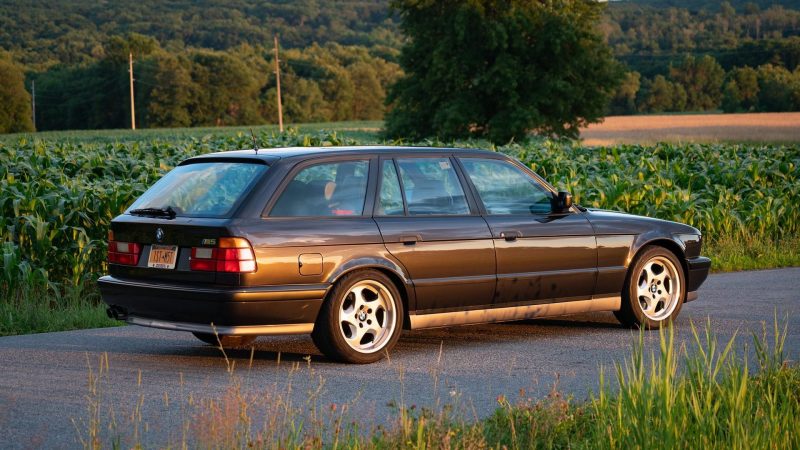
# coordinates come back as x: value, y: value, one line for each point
x: 562, y: 202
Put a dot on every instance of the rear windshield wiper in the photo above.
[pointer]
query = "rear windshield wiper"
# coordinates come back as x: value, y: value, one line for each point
x: 167, y: 212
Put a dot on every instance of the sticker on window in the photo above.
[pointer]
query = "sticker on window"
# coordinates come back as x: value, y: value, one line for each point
x: 444, y: 165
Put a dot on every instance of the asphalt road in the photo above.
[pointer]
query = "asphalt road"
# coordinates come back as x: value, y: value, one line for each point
x: 45, y: 400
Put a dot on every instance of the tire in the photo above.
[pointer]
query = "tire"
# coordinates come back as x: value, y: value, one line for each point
x: 226, y: 340
x: 361, y: 320
x: 654, y: 291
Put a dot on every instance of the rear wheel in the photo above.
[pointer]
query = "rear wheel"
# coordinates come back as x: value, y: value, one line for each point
x: 654, y: 290
x: 361, y: 319
x: 226, y: 340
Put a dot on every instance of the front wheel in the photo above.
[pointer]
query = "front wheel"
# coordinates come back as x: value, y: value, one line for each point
x: 361, y: 319
x: 654, y: 290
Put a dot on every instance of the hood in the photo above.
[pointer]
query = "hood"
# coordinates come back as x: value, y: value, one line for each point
x: 616, y: 222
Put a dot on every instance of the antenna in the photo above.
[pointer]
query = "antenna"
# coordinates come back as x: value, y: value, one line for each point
x: 255, y: 141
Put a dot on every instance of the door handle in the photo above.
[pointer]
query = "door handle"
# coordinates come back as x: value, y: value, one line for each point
x: 510, y: 236
x: 410, y: 239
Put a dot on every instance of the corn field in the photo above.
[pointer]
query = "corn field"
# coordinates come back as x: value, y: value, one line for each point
x: 57, y: 197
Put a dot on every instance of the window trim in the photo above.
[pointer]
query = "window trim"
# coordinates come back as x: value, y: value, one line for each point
x: 369, y: 202
x: 525, y: 170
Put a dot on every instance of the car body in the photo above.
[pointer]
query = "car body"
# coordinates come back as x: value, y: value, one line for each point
x: 444, y: 236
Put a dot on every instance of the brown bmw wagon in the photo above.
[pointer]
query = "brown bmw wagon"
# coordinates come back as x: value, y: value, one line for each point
x: 355, y: 244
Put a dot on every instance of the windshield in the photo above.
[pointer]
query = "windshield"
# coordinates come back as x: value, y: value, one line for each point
x: 209, y: 189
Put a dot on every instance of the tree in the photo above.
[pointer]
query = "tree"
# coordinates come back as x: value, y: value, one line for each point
x: 776, y: 86
x: 15, y: 112
x: 741, y: 90
x: 499, y: 69
x: 172, y: 93
x: 118, y: 48
x: 702, y: 79
x: 230, y: 88
x: 661, y: 95
x: 624, y: 100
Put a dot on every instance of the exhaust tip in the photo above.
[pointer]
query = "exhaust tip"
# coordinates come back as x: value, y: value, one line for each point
x: 116, y: 312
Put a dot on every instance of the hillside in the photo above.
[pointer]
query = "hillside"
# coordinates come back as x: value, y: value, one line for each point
x: 207, y: 63
x: 77, y: 33
x: 38, y: 38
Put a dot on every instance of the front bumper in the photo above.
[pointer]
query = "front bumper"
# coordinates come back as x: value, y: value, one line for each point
x: 698, y: 272
x: 243, y: 310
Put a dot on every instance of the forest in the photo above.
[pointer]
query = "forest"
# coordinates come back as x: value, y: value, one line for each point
x: 212, y: 63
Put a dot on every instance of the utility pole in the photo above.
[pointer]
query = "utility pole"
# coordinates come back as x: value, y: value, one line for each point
x: 278, y: 82
x: 33, y: 103
x: 130, y: 73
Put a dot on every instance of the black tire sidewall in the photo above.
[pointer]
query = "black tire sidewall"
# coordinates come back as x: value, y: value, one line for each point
x: 326, y: 334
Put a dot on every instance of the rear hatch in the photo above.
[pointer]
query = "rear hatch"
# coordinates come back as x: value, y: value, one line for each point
x: 189, y: 208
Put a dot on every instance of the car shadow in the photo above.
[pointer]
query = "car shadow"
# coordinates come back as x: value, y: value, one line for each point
x: 300, y: 349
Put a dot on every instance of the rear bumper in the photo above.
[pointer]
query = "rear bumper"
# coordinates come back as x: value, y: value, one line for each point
x: 697, y: 274
x: 253, y: 310
x: 259, y: 330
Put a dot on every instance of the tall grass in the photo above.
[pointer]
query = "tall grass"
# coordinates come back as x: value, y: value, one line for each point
x: 704, y: 395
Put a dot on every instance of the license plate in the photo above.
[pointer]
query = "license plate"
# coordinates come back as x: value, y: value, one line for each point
x: 163, y: 256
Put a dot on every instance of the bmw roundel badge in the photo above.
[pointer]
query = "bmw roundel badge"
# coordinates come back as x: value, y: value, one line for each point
x: 159, y: 234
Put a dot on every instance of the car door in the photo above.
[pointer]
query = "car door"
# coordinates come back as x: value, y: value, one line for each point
x: 541, y: 256
x: 433, y: 228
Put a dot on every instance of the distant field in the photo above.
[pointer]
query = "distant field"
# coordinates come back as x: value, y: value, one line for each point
x: 756, y: 127
x: 360, y: 130
x: 643, y: 130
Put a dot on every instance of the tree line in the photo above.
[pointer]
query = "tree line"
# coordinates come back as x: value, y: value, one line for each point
x: 212, y: 64
x: 701, y: 84
x: 204, y: 87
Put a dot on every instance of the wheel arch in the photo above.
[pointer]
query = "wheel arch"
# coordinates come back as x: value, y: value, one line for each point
x: 387, y: 267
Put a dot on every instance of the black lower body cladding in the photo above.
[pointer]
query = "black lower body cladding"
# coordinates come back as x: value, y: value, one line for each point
x: 270, y: 305
x: 698, y: 272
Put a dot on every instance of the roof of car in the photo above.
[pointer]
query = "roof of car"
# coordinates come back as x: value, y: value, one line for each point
x: 272, y: 154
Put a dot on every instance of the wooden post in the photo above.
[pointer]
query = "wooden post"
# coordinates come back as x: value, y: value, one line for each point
x: 130, y: 73
x: 278, y: 82
x: 33, y: 103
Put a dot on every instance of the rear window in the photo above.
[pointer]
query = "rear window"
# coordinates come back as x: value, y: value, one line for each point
x: 209, y: 189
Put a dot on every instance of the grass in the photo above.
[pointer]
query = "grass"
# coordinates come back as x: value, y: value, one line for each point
x: 37, y: 309
x: 704, y: 395
x: 729, y: 255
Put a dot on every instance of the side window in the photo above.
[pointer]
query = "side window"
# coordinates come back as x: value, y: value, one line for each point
x: 328, y: 189
x: 391, y: 203
x: 505, y: 189
x: 431, y: 187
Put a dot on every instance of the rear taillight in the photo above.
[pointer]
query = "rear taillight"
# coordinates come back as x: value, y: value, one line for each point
x: 126, y: 253
x: 230, y: 255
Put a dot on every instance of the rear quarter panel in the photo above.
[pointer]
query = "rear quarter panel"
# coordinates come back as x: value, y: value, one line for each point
x: 339, y: 245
